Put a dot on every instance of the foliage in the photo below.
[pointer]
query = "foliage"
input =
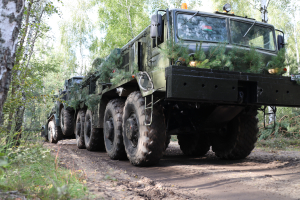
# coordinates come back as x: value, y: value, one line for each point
x: 107, y: 70
x: 241, y: 60
x: 174, y: 51
x: 119, y: 22
x: 286, y: 125
x: 32, y: 170
x: 279, y: 143
x: 247, y: 60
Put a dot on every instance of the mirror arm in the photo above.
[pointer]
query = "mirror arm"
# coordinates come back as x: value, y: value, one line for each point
x: 282, y: 35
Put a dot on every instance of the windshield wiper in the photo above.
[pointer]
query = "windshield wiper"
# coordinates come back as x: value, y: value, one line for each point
x: 193, y: 16
x: 249, y: 29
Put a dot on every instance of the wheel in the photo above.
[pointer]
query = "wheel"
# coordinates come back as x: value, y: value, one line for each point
x: 194, y: 145
x: 54, y: 132
x: 67, y: 122
x: 58, y: 135
x: 79, y: 130
x: 237, y: 140
x: 144, y: 145
x: 51, y: 130
x: 113, y: 138
x: 93, y: 137
x: 168, y: 139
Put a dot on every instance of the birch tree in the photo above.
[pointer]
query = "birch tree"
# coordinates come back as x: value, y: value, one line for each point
x: 11, y: 13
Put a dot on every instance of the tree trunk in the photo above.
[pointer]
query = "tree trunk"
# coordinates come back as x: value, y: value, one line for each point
x: 10, y: 22
x: 295, y: 37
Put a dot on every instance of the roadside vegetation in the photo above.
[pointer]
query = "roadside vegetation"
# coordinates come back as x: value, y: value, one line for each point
x: 34, y: 171
x: 284, y: 135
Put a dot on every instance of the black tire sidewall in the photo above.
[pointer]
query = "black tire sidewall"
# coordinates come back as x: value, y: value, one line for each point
x: 79, y: 130
x: 114, y: 110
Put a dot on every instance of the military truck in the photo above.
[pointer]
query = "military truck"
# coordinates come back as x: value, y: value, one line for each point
x: 60, y: 120
x: 204, y: 107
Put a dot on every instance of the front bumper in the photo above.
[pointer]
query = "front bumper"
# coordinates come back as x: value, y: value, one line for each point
x: 226, y: 87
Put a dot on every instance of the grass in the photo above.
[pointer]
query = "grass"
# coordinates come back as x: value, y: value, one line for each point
x: 32, y: 170
x: 279, y: 143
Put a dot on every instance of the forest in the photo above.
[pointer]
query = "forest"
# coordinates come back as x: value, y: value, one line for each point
x: 54, y: 40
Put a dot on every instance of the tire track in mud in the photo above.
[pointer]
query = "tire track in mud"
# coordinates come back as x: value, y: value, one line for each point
x: 261, y: 175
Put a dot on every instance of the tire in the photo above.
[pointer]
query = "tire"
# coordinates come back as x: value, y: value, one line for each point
x: 67, y: 122
x: 144, y: 145
x: 58, y: 135
x: 113, y: 137
x: 79, y: 130
x: 239, y: 139
x: 93, y: 137
x: 54, y: 132
x: 194, y: 145
x: 168, y: 139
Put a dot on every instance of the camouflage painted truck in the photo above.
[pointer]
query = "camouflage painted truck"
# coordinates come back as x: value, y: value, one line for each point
x: 205, y: 107
x: 60, y: 121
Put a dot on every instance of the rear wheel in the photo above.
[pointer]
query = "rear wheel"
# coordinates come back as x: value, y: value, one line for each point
x: 93, y: 137
x: 144, y: 144
x: 79, y: 130
x: 67, y: 122
x: 113, y: 138
x: 237, y: 140
x: 194, y: 145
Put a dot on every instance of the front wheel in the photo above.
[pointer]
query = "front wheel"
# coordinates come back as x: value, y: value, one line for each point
x: 144, y: 145
x: 237, y: 139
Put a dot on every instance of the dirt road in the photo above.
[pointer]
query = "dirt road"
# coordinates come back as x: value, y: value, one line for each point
x: 262, y: 175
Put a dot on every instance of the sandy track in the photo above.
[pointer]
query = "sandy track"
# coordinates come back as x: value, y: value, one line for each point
x: 261, y: 175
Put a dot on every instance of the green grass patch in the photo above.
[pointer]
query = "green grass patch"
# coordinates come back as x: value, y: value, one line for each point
x: 35, y: 172
x: 280, y: 143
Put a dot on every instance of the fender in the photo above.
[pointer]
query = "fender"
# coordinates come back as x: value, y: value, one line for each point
x: 150, y: 83
x: 56, y: 118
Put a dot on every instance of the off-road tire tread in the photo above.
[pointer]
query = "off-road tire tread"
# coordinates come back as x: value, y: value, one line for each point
x: 80, y: 139
x: 58, y: 133
x: 153, y: 138
x: 243, y: 141
x: 68, y: 128
x: 96, y: 140
x: 118, y: 150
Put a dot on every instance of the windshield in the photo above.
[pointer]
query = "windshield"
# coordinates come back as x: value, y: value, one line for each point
x: 201, y: 28
x: 257, y: 36
x: 77, y: 80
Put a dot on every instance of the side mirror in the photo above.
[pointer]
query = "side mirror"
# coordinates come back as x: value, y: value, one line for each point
x: 280, y: 42
x: 156, y: 26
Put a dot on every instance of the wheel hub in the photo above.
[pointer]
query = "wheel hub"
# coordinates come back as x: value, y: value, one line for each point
x: 109, y: 130
x: 131, y: 130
